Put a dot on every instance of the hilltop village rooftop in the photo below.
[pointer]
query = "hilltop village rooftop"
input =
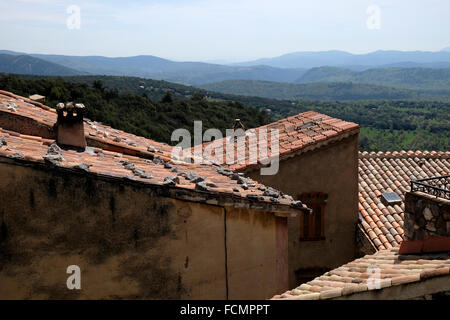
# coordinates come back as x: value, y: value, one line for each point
x: 149, y: 226
x: 404, y: 240
x: 323, y: 162
x: 109, y: 200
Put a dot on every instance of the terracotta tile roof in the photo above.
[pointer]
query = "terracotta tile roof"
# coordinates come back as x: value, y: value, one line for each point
x: 200, y: 182
x: 354, y: 277
x: 392, y: 172
x: 298, y: 133
x: 95, y: 132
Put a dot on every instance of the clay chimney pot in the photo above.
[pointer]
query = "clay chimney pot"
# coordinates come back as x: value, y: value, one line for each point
x: 70, y: 126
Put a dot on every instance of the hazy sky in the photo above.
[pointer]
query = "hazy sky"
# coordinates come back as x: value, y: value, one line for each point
x: 232, y: 30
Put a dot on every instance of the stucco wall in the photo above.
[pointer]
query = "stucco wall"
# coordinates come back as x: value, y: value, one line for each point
x: 257, y: 254
x: 332, y: 170
x: 128, y: 242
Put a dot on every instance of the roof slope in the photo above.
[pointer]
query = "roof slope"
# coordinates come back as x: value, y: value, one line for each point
x: 392, y: 172
x: 298, y: 133
x: 127, y: 158
x: 96, y: 132
x: 355, y: 276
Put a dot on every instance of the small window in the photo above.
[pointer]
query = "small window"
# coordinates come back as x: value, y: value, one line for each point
x: 312, y: 226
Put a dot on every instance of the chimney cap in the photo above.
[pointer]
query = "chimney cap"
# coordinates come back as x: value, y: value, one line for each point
x: 70, y: 125
x: 69, y: 105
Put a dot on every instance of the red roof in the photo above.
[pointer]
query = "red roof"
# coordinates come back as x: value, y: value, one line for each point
x: 43, y: 115
x: 127, y: 159
x: 392, y: 172
x: 360, y: 275
x: 298, y: 133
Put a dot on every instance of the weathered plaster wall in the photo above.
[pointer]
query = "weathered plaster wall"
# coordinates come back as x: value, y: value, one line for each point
x: 332, y: 170
x: 128, y: 242
x: 257, y: 254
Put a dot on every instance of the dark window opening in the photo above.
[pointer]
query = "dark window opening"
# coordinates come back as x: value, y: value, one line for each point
x: 312, y: 226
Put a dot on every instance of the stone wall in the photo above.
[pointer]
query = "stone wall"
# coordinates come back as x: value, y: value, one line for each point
x: 426, y: 216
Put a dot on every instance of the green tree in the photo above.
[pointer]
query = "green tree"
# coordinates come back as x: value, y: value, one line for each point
x: 167, y: 98
x: 197, y: 96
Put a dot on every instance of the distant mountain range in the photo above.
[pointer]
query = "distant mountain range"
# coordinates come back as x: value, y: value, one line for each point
x: 310, y: 59
x: 162, y: 69
x: 290, y: 67
x: 328, y: 75
x: 23, y: 64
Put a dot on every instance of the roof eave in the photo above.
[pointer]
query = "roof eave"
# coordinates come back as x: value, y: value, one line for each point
x: 210, y: 198
x: 310, y: 147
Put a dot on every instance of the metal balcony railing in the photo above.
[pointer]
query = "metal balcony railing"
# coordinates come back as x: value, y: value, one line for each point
x: 435, y: 186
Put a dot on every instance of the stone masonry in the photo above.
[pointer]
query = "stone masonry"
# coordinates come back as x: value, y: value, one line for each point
x: 426, y: 216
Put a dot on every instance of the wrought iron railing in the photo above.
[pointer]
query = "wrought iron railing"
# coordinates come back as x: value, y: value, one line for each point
x: 436, y: 186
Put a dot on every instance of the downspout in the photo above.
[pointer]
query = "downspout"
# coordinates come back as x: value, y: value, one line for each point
x: 226, y: 250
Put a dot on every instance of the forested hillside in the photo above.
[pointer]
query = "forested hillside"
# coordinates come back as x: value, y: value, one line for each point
x: 135, y: 105
x: 137, y: 113
x: 391, y: 125
x: 432, y: 80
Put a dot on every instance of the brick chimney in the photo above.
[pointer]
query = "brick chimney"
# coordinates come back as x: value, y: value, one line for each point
x: 69, y: 126
x: 427, y: 216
